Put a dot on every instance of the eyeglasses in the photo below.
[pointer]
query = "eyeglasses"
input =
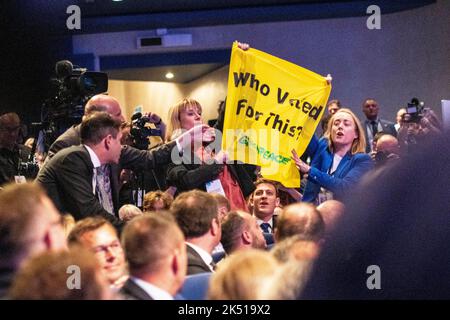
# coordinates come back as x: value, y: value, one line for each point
x: 103, y: 249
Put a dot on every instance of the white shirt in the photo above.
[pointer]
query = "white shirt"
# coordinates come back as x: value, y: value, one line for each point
x: 336, y: 160
x: 96, y: 163
x: 153, y: 291
x: 270, y: 222
x: 206, y: 257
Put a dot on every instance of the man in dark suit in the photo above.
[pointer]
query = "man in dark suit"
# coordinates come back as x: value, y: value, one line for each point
x: 197, y: 215
x: 373, y: 124
x: 157, y: 262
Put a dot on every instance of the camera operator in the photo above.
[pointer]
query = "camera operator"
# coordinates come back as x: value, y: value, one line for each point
x: 14, y: 157
x: 419, y: 124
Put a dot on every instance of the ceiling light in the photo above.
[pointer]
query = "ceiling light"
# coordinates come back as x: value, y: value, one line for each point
x: 169, y: 75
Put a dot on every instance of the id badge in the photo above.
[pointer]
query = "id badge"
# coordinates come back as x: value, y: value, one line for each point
x: 324, y: 195
x: 215, y: 186
x: 20, y: 179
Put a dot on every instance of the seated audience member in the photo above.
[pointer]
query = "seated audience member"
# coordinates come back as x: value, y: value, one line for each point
x: 11, y: 152
x: 223, y: 205
x: 68, y: 275
x: 392, y: 243
x: 302, y: 219
x: 157, y: 261
x: 197, y: 216
x: 338, y: 159
x: 202, y: 168
x: 240, y: 231
x: 265, y: 200
x: 331, y: 212
x: 29, y: 225
x: 245, y: 275
x: 297, y: 257
x: 386, y: 150
x: 99, y: 236
x: 295, y: 248
x: 128, y: 212
x: 157, y: 201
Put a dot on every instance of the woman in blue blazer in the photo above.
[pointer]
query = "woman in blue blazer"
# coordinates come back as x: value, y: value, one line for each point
x: 338, y: 159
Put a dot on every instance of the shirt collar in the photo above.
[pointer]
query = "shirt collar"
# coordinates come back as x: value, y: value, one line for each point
x: 152, y: 290
x: 270, y: 222
x: 95, y: 160
x: 206, y: 257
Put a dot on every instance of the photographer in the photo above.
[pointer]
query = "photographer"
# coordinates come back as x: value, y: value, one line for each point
x: 13, y: 156
x: 419, y: 124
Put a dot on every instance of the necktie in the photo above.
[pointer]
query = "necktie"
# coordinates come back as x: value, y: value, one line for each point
x: 374, y: 127
x: 265, y: 227
x: 104, y: 188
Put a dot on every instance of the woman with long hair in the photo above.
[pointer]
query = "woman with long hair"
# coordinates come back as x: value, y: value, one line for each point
x: 338, y: 161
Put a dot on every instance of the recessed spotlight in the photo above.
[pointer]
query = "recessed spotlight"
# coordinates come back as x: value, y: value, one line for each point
x: 169, y: 75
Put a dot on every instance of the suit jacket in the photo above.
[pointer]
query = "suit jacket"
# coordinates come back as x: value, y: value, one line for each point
x: 388, y: 127
x: 349, y: 172
x: 68, y: 178
x: 71, y: 137
x: 132, y: 291
x: 195, y: 262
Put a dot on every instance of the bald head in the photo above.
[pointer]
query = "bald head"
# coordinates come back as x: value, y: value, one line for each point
x: 103, y: 102
x: 387, y: 144
x: 331, y: 211
x: 300, y: 219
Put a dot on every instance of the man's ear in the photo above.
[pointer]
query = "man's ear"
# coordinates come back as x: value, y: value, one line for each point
x: 247, y: 237
x: 215, y: 226
x: 277, y: 202
x: 107, y: 141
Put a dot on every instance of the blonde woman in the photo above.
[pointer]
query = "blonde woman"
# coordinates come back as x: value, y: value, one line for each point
x: 338, y: 159
x: 235, y: 182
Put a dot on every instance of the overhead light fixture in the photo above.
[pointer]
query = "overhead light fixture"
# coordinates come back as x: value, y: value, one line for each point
x: 116, y: 0
x: 169, y: 75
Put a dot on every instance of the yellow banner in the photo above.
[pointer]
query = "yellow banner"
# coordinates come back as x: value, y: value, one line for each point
x: 273, y: 106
